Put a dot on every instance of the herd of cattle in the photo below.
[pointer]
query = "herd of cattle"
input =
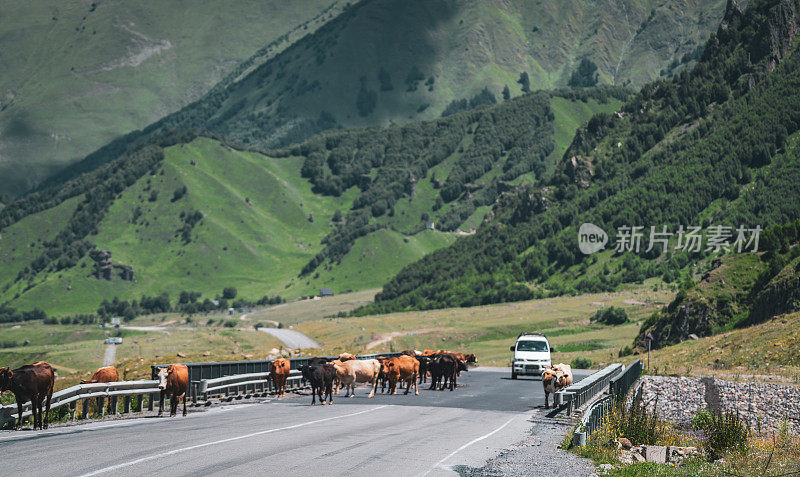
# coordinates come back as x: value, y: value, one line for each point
x: 411, y: 368
x: 34, y: 382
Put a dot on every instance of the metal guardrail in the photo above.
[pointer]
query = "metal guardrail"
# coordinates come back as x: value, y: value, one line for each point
x: 214, y: 386
x: 618, y: 388
x: 69, y: 396
x: 580, y: 393
x: 621, y: 383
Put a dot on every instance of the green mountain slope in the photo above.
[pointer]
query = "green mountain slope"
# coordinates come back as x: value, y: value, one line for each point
x: 390, y: 61
x: 195, y: 214
x: 78, y: 74
x: 717, y: 145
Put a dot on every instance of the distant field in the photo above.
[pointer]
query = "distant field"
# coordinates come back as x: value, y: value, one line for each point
x: 307, y: 310
x: 76, y: 350
x: 488, y: 331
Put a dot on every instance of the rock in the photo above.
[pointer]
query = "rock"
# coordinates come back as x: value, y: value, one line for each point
x: 637, y: 457
x: 656, y: 454
x: 206, y: 353
x: 181, y: 355
x: 625, y: 443
x: 693, y: 337
x: 274, y: 351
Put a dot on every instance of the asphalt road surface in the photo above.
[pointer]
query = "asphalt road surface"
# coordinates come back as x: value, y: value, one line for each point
x: 292, y: 338
x: 110, y: 355
x: 387, y: 435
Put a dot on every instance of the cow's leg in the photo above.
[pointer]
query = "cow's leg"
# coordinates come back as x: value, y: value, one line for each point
x: 184, y: 404
x: 374, y: 386
x: 161, y: 403
x: 19, y: 413
x: 546, y: 400
x: 313, y: 395
x: 416, y: 389
x: 36, y: 409
x: 47, y: 408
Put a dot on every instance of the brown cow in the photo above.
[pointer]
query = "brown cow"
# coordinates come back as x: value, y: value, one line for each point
x: 173, y: 382
x: 402, y: 368
x: 279, y: 370
x: 554, y: 379
x: 107, y: 374
x: 34, y: 383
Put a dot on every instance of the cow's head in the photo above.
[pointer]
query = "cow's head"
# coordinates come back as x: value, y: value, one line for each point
x: 5, y: 379
x: 471, y: 358
x: 162, y: 377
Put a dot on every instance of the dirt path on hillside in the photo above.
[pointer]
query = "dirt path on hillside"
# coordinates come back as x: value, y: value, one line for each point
x: 387, y: 337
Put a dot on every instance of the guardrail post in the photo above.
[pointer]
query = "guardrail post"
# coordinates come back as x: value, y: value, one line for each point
x: 113, y: 401
x: 85, y: 409
x: 150, y: 402
x: 194, y: 393
x: 127, y: 407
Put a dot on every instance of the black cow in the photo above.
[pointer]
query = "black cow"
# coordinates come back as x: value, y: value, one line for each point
x: 424, y: 367
x: 320, y: 374
x: 444, y: 370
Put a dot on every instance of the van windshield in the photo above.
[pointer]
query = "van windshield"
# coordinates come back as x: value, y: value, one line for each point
x: 532, y: 346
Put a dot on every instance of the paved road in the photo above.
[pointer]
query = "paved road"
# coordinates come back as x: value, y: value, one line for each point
x: 386, y: 435
x: 110, y: 355
x: 292, y: 338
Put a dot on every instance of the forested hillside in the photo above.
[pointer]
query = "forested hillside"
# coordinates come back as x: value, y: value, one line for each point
x: 739, y: 291
x: 346, y: 210
x: 77, y: 74
x: 716, y: 145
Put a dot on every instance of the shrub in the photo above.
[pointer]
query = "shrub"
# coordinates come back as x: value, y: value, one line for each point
x: 722, y: 432
x: 611, y: 316
x: 230, y: 324
x: 229, y: 293
x: 581, y: 363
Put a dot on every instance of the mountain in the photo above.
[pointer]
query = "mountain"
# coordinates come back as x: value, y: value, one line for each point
x: 376, y: 63
x: 77, y: 74
x: 347, y: 209
x: 391, y: 61
x: 738, y: 291
x: 714, y: 145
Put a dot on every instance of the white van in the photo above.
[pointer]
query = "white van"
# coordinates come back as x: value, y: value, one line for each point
x: 531, y: 355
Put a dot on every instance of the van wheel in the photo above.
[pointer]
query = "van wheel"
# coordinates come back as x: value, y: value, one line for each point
x: 513, y: 375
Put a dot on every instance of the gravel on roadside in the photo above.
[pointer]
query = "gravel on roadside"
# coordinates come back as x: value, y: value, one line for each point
x: 537, y: 454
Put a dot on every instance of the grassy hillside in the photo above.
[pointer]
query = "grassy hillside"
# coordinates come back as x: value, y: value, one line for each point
x: 260, y: 224
x: 717, y: 145
x: 195, y: 214
x: 77, y: 74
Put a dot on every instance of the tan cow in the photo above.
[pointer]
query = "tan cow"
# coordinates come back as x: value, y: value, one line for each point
x: 554, y: 379
x: 358, y: 371
x: 346, y: 357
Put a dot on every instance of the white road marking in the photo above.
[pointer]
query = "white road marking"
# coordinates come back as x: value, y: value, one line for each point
x: 473, y: 441
x: 223, y: 441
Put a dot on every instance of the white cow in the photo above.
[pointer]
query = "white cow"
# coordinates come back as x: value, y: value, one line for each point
x: 357, y: 371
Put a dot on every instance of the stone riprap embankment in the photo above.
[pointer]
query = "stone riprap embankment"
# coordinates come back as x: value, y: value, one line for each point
x: 679, y: 399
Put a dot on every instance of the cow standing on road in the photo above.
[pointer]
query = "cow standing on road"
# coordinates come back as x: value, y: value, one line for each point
x: 107, y: 374
x: 320, y: 374
x: 399, y: 369
x: 358, y: 371
x: 34, y: 383
x: 173, y: 381
x: 554, y: 379
x: 279, y: 369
